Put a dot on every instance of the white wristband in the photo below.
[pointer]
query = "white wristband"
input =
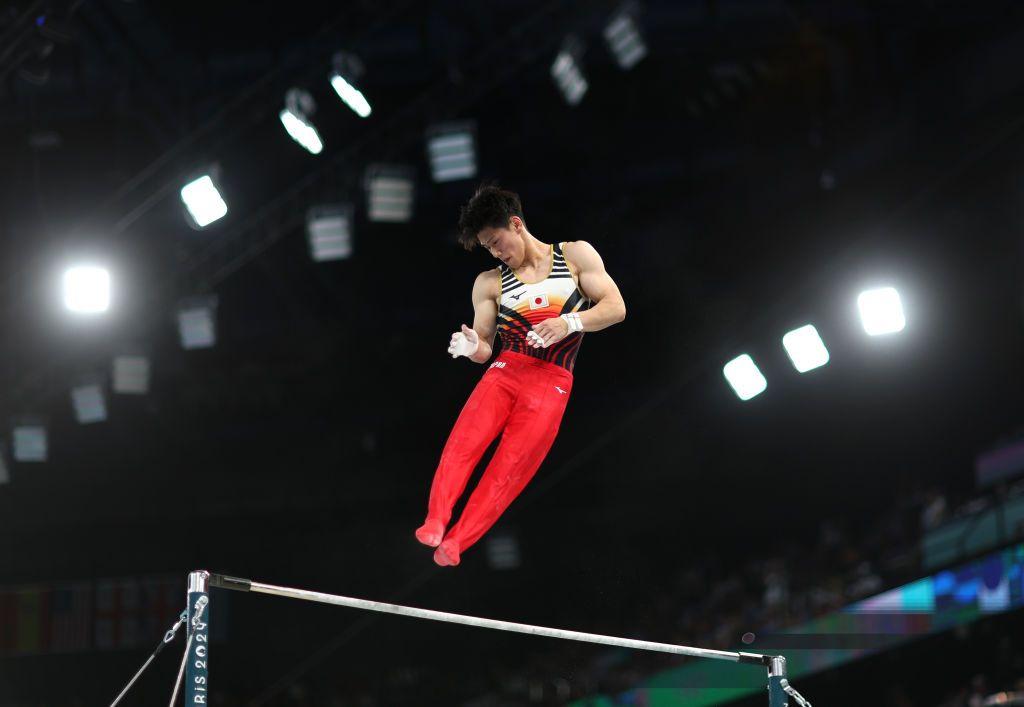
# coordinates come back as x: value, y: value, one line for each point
x: 573, y: 320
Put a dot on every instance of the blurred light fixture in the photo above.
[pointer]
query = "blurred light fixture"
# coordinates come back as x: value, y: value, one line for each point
x: 197, y: 322
x: 567, y: 71
x: 622, y: 33
x: 299, y: 107
x: 452, y: 150
x: 805, y: 348
x: 881, y: 311
x: 389, y: 191
x: 203, y: 201
x: 744, y: 377
x: 30, y: 444
x: 87, y: 289
x: 348, y: 69
x: 329, y: 229
x: 503, y: 552
x: 131, y: 375
x: 89, y: 403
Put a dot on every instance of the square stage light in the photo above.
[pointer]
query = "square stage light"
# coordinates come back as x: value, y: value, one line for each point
x: 87, y: 289
x: 89, y: 403
x: 452, y: 150
x: 805, y: 348
x: 203, y: 201
x: 30, y: 443
x: 881, y: 311
x: 329, y: 231
x: 624, y: 39
x: 503, y: 552
x: 197, y: 322
x: 131, y: 375
x: 389, y: 192
x: 567, y: 71
x: 744, y: 377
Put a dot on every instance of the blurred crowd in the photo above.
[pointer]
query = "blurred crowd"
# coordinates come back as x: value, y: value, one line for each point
x: 713, y: 603
x: 721, y: 603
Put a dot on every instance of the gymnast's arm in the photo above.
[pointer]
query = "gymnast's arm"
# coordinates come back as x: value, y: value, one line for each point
x: 597, y: 285
x: 485, y: 313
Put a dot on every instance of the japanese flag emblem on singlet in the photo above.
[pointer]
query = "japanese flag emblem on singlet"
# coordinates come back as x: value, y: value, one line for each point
x: 538, y: 301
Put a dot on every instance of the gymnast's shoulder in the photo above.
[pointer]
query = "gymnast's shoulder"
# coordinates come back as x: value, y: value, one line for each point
x: 581, y: 256
x: 488, y: 282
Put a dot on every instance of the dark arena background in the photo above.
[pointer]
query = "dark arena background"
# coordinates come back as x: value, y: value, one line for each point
x: 257, y: 383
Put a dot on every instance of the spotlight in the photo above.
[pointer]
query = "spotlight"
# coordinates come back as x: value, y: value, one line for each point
x: 744, y: 377
x: 452, y: 149
x: 203, y: 201
x: 87, y: 289
x: 881, y: 311
x: 389, y: 191
x: 30, y: 442
x: 197, y: 322
x: 347, y: 71
x: 567, y: 71
x: 131, y: 375
x: 89, y: 403
x: 329, y: 229
x: 295, y: 117
x: 624, y: 38
x: 805, y: 348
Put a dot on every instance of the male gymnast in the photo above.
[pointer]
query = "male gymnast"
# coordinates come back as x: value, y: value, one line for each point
x: 541, y: 300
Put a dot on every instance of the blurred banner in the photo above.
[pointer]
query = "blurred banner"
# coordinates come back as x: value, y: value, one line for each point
x: 72, y: 617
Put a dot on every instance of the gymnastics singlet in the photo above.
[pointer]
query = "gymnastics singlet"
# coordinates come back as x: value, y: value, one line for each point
x: 522, y: 395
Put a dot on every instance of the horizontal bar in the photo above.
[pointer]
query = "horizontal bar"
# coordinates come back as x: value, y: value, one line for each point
x: 382, y: 607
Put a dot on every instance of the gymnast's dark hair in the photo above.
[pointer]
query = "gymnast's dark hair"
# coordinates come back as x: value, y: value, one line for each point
x: 490, y: 207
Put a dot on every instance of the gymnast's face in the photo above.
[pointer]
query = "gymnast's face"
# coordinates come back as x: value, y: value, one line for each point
x: 505, y: 243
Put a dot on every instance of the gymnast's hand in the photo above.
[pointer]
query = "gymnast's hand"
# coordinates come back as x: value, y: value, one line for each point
x: 464, y: 343
x: 548, y: 332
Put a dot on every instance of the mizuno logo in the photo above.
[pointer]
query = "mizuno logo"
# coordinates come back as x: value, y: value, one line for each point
x: 516, y: 297
x: 563, y: 392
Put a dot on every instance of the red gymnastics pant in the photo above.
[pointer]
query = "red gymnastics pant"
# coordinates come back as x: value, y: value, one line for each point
x: 524, y: 399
